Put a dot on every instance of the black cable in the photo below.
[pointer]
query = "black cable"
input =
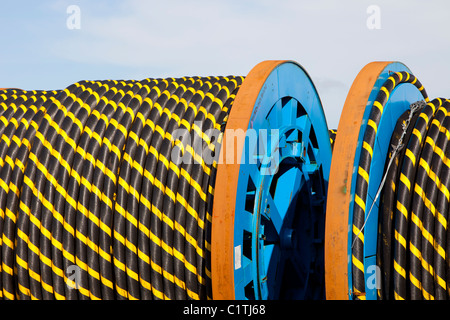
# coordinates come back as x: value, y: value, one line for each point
x: 97, y: 204
x: 88, y: 218
x: 113, y: 139
x: 364, y: 164
x: 13, y: 201
x: 11, y: 141
x: 175, y: 262
x: 41, y: 261
x: 148, y: 111
x: 48, y: 111
x: 71, y: 182
x: 164, y: 147
x: 440, y: 165
x: 332, y: 133
x: 99, y: 278
x: 184, y: 239
x: 212, y: 126
x: 417, y: 268
x: 388, y: 203
x: 427, y: 164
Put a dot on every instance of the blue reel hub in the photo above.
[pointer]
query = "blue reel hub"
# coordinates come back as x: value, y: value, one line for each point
x: 281, y: 192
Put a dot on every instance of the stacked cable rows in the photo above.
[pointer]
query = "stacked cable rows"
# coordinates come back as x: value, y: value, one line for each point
x: 105, y: 193
x: 414, y: 211
x: 362, y: 180
x: 413, y: 239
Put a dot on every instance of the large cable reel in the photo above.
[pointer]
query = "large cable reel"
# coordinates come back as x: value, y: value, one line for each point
x: 272, y: 234
x: 89, y: 167
x: 388, y: 194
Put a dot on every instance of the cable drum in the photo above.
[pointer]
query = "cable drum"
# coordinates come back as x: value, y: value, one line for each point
x: 388, y: 202
x: 139, y: 190
x: 122, y: 189
x: 364, y: 166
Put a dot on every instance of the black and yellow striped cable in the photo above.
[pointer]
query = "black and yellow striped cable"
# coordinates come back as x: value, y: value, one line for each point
x: 418, y: 268
x: 15, y: 143
x: 416, y: 183
x: 107, y: 188
x: 332, y: 133
x: 361, y: 188
x: 388, y: 198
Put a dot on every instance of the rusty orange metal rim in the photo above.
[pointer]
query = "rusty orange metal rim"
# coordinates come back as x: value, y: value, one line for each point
x: 341, y: 170
x: 222, y: 264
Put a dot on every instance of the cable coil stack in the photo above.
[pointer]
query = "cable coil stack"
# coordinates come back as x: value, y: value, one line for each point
x: 79, y: 150
x: 395, y: 201
x: 123, y: 189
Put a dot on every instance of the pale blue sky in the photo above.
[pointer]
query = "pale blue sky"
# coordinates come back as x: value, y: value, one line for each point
x: 135, y: 39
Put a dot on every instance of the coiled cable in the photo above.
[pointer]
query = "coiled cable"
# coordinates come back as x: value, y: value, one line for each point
x: 388, y: 198
x: 107, y: 188
x: 361, y: 188
x: 413, y: 238
x: 417, y: 267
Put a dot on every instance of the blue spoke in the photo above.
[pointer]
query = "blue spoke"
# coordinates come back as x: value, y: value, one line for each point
x: 247, y: 220
x: 247, y: 272
x: 290, y: 112
x: 255, y: 175
x: 293, y: 136
x: 272, y: 213
x: 305, y: 124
